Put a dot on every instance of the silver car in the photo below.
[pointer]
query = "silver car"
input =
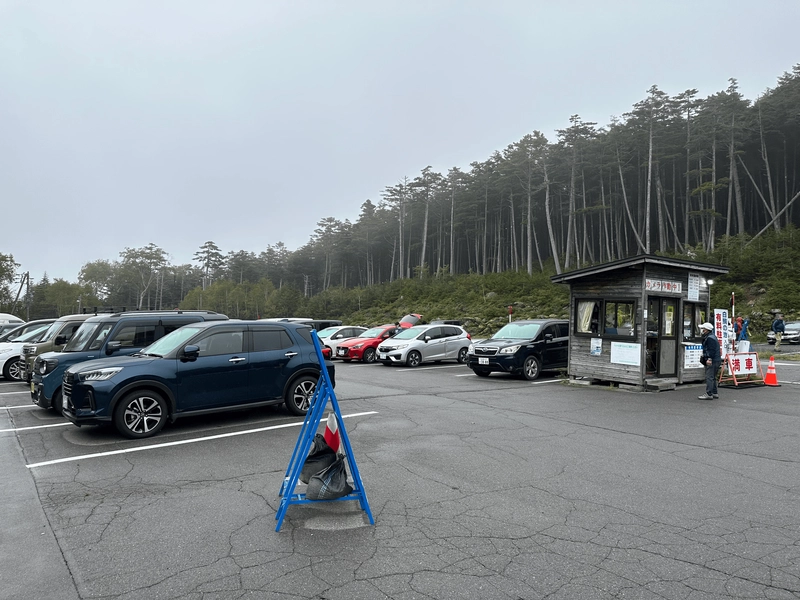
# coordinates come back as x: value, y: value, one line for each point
x: 790, y: 336
x: 333, y: 336
x: 425, y: 343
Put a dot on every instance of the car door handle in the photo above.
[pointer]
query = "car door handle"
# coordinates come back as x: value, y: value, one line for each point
x: 290, y: 354
x: 237, y: 359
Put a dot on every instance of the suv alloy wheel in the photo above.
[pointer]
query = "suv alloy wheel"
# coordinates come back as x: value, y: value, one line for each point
x: 140, y: 414
x: 298, y: 397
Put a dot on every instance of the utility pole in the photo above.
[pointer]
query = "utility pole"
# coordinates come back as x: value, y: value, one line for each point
x: 22, y: 282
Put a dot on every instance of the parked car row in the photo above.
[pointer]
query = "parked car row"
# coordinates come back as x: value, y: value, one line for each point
x: 140, y: 370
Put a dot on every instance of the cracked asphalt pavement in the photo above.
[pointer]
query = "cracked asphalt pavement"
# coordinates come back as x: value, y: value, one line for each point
x: 485, y: 488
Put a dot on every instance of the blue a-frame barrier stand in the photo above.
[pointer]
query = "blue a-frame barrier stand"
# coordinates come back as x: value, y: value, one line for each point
x: 322, y: 394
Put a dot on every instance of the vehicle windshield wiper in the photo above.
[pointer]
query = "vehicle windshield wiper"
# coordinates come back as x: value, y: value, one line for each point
x: 148, y: 354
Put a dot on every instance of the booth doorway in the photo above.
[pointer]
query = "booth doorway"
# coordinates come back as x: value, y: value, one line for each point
x: 662, y: 337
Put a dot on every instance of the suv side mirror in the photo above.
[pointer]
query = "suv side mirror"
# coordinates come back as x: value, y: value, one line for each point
x: 427, y: 338
x: 112, y: 347
x: 60, y: 340
x: 190, y: 353
x: 548, y: 337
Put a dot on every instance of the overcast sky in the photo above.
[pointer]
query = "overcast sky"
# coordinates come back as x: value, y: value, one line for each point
x: 245, y: 122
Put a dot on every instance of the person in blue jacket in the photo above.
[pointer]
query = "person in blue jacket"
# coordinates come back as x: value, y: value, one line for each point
x: 711, y: 359
x: 779, y: 327
x: 740, y: 329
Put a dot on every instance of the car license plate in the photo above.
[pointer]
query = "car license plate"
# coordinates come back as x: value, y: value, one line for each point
x: 33, y: 388
x: 340, y: 351
x: 382, y: 356
x: 483, y: 361
x: 64, y: 401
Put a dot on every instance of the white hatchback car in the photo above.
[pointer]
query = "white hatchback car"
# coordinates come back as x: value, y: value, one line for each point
x: 9, y: 352
x: 332, y: 336
x: 425, y: 343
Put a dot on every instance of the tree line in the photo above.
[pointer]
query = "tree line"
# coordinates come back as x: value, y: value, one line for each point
x: 673, y: 175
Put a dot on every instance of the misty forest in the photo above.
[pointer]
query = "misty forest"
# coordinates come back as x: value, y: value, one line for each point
x: 709, y: 179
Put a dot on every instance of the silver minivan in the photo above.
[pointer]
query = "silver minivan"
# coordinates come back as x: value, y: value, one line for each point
x: 425, y: 343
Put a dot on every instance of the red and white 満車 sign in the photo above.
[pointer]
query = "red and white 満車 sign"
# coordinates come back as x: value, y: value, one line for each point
x: 743, y: 364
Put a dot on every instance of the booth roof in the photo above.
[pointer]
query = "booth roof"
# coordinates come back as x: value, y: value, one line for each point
x: 639, y: 261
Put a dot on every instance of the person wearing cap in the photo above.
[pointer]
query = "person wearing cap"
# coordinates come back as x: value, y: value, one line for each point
x: 711, y: 359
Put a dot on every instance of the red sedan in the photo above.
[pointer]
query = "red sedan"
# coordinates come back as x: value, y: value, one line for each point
x: 364, y: 347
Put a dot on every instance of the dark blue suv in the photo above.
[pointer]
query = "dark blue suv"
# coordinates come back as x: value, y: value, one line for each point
x: 103, y: 336
x: 200, y: 368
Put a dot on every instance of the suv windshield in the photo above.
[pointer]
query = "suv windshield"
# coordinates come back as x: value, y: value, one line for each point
x: 86, y: 332
x: 51, y: 331
x: 32, y: 336
x: 517, y: 331
x: 171, y: 341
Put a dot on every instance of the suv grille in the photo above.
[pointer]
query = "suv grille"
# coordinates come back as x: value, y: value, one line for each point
x: 485, y: 350
x: 66, y: 389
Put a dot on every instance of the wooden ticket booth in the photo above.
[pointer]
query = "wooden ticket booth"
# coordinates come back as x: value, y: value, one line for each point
x: 636, y: 321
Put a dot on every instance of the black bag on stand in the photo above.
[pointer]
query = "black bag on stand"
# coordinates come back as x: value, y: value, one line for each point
x: 320, y: 457
x: 330, y: 483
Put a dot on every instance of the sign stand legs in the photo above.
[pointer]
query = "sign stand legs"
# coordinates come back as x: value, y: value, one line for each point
x: 322, y: 395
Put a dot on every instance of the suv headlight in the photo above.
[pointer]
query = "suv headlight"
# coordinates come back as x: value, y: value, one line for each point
x: 46, y: 366
x: 510, y: 350
x: 99, y: 374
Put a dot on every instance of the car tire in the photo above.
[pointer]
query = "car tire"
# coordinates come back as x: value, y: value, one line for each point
x: 369, y: 355
x: 462, y: 356
x: 481, y: 372
x: 11, y: 370
x: 140, y: 414
x: 299, y: 395
x: 531, y: 368
x: 414, y: 359
x: 55, y: 403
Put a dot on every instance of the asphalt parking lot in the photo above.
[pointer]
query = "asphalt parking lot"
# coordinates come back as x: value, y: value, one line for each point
x: 480, y: 488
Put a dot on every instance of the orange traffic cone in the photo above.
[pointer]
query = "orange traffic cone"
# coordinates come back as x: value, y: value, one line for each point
x: 772, y: 376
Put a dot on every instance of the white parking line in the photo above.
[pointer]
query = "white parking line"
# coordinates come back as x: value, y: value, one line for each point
x: 20, y: 406
x: 37, y: 427
x: 11, y: 393
x: 181, y: 442
x: 532, y: 382
x: 415, y: 369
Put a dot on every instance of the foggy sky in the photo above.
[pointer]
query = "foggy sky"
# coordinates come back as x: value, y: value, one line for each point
x: 125, y: 122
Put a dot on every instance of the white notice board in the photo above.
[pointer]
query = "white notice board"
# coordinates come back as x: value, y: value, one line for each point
x: 625, y: 353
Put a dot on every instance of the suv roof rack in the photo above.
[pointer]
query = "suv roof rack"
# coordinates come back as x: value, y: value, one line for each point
x: 118, y: 311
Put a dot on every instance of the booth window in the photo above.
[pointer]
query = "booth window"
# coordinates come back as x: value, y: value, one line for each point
x: 618, y: 318
x: 694, y: 315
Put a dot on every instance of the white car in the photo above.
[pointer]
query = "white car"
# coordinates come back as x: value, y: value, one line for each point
x: 332, y: 336
x: 9, y: 352
x: 425, y: 343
